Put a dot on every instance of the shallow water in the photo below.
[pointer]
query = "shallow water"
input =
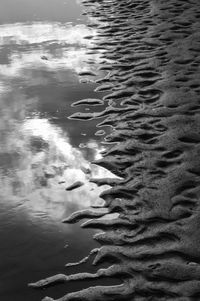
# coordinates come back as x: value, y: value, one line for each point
x: 29, y: 11
x: 42, y: 152
x: 152, y: 52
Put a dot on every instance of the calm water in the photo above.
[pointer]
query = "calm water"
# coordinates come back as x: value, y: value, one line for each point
x: 42, y: 52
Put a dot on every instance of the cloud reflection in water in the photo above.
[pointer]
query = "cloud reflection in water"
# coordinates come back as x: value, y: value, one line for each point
x: 39, y: 154
x: 45, y: 158
x: 44, y: 32
x: 35, y: 154
x: 62, y: 59
x: 47, y: 46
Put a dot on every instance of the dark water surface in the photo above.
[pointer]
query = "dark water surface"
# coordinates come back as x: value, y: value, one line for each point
x: 42, y: 53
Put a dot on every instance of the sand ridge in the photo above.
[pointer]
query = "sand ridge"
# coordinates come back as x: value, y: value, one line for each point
x: 152, y: 54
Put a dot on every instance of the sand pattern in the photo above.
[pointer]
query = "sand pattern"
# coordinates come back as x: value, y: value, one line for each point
x: 151, y: 50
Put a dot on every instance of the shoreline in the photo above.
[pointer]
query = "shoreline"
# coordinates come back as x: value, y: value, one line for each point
x: 151, y: 50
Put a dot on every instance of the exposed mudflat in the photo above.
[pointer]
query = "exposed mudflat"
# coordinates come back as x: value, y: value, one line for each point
x: 151, y: 53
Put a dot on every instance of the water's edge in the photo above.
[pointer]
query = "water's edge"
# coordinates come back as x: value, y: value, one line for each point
x: 150, y: 50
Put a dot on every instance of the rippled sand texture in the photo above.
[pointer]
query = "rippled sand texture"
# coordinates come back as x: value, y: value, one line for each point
x: 152, y: 49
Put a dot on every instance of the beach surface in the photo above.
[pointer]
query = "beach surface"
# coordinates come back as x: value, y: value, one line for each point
x: 149, y: 221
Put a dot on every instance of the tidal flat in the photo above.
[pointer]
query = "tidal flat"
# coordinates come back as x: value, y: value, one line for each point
x: 101, y: 125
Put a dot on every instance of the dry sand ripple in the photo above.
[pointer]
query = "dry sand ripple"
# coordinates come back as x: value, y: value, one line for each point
x: 152, y: 54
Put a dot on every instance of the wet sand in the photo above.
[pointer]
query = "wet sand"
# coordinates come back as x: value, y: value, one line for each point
x: 151, y: 53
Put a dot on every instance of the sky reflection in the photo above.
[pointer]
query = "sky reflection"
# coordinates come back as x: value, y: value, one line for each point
x: 45, y: 32
x: 40, y: 163
x: 47, y: 46
x: 37, y: 158
x: 43, y: 48
x: 62, y: 59
x: 37, y: 10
